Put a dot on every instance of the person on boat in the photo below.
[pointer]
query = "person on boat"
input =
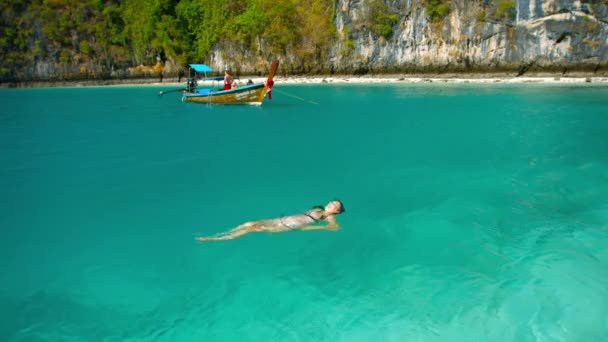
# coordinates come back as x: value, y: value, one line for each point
x: 234, y: 84
x: 191, y: 85
x: 307, y: 220
x: 228, y: 80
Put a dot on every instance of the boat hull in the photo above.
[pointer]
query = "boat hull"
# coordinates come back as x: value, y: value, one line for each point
x: 250, y: 94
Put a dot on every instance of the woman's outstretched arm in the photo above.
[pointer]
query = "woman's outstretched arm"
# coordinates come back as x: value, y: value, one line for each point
x: 332, y: 224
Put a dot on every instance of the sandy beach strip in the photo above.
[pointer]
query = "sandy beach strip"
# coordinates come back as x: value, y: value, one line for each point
x: 339, y: 79
x: 437, y: 79
x: 385, y: 79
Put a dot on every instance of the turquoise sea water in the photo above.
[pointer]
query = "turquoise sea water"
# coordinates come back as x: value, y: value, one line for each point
x: 474, y: 213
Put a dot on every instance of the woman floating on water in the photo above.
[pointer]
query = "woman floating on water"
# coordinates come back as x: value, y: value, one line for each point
x: 303, y: 221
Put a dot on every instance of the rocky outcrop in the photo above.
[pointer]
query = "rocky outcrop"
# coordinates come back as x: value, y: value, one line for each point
x: 545, y: 34
x: 405, y: 36
x: 473, y: 36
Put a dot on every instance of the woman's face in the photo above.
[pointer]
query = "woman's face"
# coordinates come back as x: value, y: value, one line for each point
x: 333, y: 207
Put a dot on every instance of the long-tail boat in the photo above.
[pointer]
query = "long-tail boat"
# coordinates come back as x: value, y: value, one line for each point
x: 253, y: 93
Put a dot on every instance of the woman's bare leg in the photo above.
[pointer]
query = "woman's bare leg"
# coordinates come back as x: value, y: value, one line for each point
x: 239, y: 231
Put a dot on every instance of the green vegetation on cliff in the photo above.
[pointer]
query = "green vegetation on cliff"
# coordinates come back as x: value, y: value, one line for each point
x: 115, y: 39
x: 91, y: 38
x: 437, y: 9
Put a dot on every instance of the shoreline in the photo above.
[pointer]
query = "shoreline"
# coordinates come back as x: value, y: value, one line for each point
x: 578, y: 78
x: 441, y: 79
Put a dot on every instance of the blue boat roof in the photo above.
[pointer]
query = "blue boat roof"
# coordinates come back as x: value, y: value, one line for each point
x: 218, y: 78
x: 201, y: 67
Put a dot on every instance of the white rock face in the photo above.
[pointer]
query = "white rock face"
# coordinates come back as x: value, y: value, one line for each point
x: 551, y: 32
x: 473, y: 36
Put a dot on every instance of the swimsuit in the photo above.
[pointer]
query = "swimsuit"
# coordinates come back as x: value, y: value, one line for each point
x: 295, y: 221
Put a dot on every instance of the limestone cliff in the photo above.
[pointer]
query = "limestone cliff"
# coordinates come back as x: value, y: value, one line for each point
x: 355, y: 37
x: 491, y: 35
x: 553, y: 34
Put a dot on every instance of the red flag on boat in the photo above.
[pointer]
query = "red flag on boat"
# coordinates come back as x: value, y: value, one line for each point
x: 269, y: 84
